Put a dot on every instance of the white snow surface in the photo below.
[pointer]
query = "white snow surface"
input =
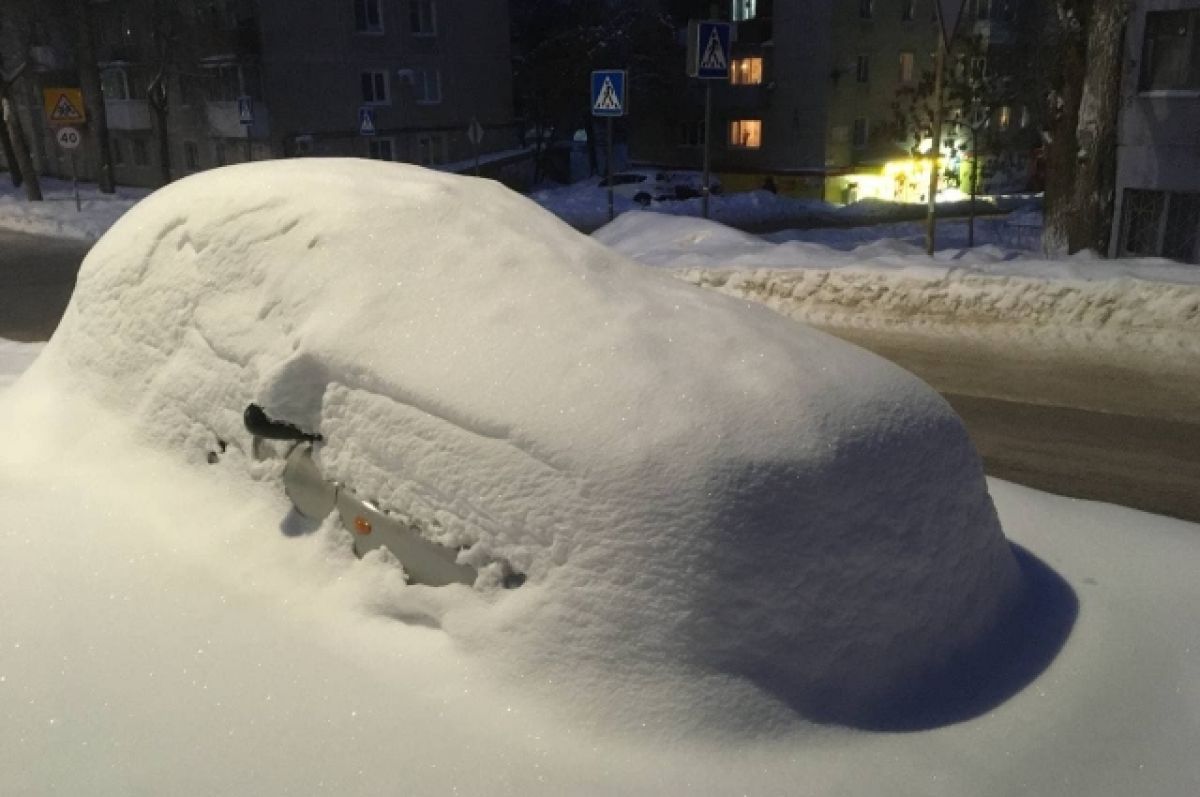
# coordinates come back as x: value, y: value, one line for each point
x: 160, y: 636
x: 56, y: 215
x: 1139, y: 307
x: 727, y: 520
x: 15, y: 357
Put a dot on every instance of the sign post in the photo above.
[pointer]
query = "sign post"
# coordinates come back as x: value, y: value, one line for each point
x: 475, y: 136
x: 708, y: 60
x: 948, y: 13
x: 246, y: 118
x: 69, y: 139
x: 609, y: 100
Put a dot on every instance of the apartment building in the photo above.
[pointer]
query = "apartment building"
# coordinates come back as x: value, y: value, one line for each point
x: 252, y: 79
x: 1158, y: 160
x: 809, y: 103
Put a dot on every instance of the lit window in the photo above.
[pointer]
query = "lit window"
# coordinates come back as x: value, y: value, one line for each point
x: 367, y: 16
x: 746, y: 72
x: 1004, y: 117
x: 907, y: 67
x: 1171, y: 51
x: 375, y: 87
x: 423, y: 17
x: 745, y: 133
x: 743, y: 10
x: 427, y: 86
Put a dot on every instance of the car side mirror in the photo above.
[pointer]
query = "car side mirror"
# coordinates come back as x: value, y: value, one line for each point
x: 258, y: 424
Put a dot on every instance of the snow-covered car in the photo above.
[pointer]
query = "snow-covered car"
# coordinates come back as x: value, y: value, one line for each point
x: 691, y: 487
x: 646, y: 185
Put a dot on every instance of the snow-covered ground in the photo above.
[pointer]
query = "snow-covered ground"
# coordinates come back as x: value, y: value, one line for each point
x: 585, y: 206
x: 169, y: 628
x: 57, y: 216
x: 1139, y: 311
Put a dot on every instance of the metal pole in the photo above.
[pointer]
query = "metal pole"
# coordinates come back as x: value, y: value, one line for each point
x: 608, y: 166
x: 249, y: 148
x: 936, y: 150
x: 75, y: 180
x: 476, y: 160
x: 707, y: 139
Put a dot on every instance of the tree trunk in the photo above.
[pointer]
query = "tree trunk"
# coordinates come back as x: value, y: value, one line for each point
x: 1096, y: 130
x: 33, y: 188
x: 10, y: 156
x: 93, y: 97
x: 164, y: 139
x: 1066, y: 40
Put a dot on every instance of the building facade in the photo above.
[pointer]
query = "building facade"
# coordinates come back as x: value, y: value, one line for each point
x: 811, y: 100
x: 1158, y: 136
x: 252, y: 79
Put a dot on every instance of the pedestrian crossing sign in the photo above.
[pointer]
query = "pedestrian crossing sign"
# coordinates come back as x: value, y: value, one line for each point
x: 64, y: 106
x: 708, y: 50
x: 366, y: 121
x: 608, y: 93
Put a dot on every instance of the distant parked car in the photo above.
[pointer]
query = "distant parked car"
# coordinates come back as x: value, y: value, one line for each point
x: 646, y: 185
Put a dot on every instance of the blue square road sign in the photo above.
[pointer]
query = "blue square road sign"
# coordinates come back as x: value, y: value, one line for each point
x: 608, y: 93
x: 712, y: 50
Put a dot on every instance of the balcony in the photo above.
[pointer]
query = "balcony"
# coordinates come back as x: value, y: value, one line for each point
x: 224, y: 122
x: 128, y: 114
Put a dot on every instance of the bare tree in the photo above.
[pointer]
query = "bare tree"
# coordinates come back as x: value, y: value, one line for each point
x: 1081, y: 137
x: 93, y: 97
x: 16, y: 133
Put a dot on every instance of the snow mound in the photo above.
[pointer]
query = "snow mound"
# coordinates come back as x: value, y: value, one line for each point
x: 720, y: 512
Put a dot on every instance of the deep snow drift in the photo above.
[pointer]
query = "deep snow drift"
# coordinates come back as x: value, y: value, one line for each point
x: 723, y: 516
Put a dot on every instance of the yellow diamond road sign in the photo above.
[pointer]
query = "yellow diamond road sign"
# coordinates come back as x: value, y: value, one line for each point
x: 64, y: 106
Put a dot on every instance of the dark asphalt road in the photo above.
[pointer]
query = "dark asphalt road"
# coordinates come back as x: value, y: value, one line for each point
x: 1102, y: 431
x: 37, y: 276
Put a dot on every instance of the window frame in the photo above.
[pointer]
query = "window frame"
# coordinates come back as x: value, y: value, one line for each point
x: 415, y: 16
x: 908, y: 67
x: 425, y: 97
x: 737, y: 135
x: 436, y: 141
x: 862, y: 68
x: 375, y: 143
x: 1191, y: 46
x: 855, y: 143
x: 366, y: 28
x: 735, y: 71
x: 373, y: 74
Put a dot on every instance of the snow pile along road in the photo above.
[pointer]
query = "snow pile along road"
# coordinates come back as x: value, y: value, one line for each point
x: 1111, y: 308
x: 56, y: 216
x: 726, y: 520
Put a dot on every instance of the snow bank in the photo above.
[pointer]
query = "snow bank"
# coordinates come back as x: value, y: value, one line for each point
x: 15, y: 357
x: 1134, y: 306
x: 724, y: 517
x: 56, y: 216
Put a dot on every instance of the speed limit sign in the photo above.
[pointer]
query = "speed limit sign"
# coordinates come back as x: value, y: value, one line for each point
x: 68, y: 137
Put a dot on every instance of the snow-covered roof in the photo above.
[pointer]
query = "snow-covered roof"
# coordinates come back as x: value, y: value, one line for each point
x: 692, y: 483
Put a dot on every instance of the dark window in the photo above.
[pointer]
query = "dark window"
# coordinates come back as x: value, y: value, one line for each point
x: 117, y: 150
x: 191, y: 156
x: 423, y: 17
x: 861, y: 131
x: 141, y: 153
x: 908, y: 10
x: 367, y: 18
x: 1161, y: 223
x: 866, y: 8
x: 862, y: 69
x: 380, y: 149
x: 375, y: 87
x: 983, y: 9
x: 1171, y: 51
